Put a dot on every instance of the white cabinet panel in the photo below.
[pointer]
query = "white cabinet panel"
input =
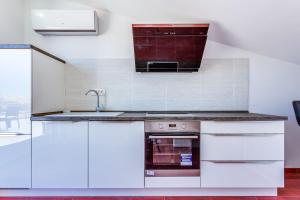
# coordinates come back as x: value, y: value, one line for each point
x: 15, y: 91
x: 242, y: 147
x: 48, y: 84
x: 261, y: 174
x: 242, y: 127
x: 116, y: 155
x: 15, y: 161
x: 59, y: 154
x: 172, y: 182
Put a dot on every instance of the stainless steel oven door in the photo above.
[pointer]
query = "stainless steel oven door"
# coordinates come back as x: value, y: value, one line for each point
x: 172, y: 154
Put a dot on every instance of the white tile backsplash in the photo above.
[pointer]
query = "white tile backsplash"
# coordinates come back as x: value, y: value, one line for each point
x: 220, y: 84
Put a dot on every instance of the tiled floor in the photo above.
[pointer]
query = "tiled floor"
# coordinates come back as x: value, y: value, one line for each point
x: 290, y: 192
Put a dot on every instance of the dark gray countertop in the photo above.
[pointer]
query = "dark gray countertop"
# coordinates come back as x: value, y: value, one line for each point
x: 142, y: 116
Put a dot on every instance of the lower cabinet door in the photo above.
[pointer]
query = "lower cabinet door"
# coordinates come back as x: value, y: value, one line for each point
x: 15, y: 161
x: 254, y: 174
x: 59, y: 154
x: 116, y: 154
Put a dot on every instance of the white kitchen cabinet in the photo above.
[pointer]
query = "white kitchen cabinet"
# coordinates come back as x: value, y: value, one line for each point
x: 256, y: 174
x: 242, y: 127
x: 242, y: 146
x: 59, y: 154
x: 15, y: 162
x: 48, y: 84
x: 116, y: 154
x: 242, y: 154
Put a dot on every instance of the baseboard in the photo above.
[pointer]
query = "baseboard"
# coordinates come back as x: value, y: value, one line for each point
x: 137, y: 192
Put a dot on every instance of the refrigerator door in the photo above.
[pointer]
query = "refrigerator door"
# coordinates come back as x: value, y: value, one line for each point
x: 15, y: 91
x: 15, y: 165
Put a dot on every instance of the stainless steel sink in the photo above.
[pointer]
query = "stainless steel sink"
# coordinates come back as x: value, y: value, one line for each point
x: 89, y: 114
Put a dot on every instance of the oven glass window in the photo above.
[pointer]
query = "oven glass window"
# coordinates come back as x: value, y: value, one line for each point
x: 172, y: 152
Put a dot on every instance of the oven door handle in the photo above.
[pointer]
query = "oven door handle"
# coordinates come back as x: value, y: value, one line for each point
x: 173, y: 137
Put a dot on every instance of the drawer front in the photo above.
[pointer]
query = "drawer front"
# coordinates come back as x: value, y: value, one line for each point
x: 242, y: 127
x: 262, y: 174
x: 242, y: 146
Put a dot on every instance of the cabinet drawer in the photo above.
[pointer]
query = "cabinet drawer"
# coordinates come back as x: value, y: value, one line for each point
x: 256, y: 174
x: 242, y: 127
x: 242, y: 146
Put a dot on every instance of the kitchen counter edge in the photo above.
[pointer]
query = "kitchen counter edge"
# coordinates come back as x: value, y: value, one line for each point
x: 141, y: 116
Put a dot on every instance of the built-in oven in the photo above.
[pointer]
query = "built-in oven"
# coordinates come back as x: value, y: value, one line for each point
x: 172, y: 148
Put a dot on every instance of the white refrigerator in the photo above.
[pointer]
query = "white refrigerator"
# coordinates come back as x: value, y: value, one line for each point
x: 15, y: 112
x: 26, y: 87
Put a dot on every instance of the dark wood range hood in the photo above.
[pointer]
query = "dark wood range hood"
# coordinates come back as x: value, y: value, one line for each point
x: 169, y: 47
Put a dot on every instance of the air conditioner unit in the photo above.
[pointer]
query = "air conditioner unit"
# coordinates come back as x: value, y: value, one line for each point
x: 65, y: 22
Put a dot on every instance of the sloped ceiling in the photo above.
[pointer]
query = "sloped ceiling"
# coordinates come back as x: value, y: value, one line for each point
x: 268, y: 27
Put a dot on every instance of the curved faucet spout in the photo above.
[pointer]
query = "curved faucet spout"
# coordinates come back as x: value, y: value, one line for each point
x: 98, y: 109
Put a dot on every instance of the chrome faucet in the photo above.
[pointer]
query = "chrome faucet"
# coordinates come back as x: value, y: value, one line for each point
x: 98, y: 109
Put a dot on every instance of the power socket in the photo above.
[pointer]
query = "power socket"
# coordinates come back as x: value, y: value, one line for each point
x: 102, y: 92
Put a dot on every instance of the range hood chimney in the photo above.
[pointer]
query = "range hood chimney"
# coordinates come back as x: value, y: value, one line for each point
x: 169, y: 47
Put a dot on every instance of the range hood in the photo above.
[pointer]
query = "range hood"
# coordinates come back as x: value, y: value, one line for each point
x: 169, y: 47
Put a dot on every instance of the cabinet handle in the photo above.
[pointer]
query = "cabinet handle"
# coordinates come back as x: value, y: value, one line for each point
x: 114, y: 122
x: 173, y: 137
x: 242, y: 161
x: 12, y: 134
x: 241, y: 134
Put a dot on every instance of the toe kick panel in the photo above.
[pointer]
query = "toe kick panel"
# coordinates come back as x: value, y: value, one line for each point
x: 172, y: 182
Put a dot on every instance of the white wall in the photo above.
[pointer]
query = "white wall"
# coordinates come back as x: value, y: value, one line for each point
x: 273, y: 83
x: 220, y: 84
x: 11, y: 21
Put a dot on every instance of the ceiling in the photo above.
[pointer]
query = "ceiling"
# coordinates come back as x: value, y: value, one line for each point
x: 268, y: 27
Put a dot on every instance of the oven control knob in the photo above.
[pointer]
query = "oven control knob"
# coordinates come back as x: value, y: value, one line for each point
x: 183, y: 126
x: 161, y: 126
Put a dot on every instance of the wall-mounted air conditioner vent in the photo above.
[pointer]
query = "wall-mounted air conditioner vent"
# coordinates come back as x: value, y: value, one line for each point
x: 65, y: 22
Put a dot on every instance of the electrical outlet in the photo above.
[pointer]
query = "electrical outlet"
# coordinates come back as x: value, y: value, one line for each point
x: 102, y: 92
